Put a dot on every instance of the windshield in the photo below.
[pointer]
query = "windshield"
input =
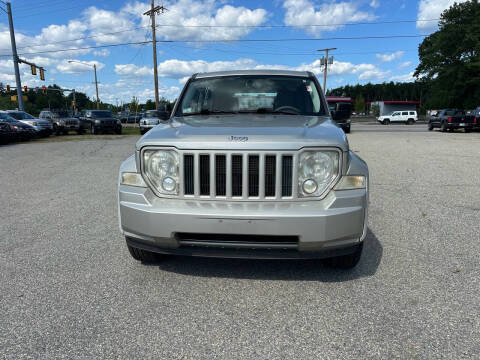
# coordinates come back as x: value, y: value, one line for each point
x: 101, y: 114
x: 60, y: 114
x: 6, y: 118
x: 21, y: 115
x: 152, y: 114
x: 256, y: 94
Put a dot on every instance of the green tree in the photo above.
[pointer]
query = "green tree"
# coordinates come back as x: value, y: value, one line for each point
x: 360, y: 104
x: 450, y: 58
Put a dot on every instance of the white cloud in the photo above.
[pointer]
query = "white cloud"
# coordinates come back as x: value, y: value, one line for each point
x: 303, y: 12
x: 432, y: 9
x: 388, y: 57
x: 375, y: 4
x: 405, y: 65
x: 102, y: 52
x: 403, y: 78
x: 199, y: 15
x: 77, y: 68
x: 132, y: 70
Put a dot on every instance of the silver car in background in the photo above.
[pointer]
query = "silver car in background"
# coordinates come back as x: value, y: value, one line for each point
x: 151, y: 119
x: 250, y: 165
x: 42, y: 127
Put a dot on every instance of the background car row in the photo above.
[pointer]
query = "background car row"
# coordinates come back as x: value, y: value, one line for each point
x: 18, y: 125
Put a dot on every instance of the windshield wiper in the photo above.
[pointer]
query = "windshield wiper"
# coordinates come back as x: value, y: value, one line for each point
x: 210, y: 112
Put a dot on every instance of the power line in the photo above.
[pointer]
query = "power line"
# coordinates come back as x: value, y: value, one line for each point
x: 298, y: 26
x: 225, y: 41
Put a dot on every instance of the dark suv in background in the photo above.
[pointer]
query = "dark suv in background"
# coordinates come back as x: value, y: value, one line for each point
x: 62, y: 121
x: 98, y: 121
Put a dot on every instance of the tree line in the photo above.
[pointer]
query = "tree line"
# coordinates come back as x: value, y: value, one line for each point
x: 448, y: 74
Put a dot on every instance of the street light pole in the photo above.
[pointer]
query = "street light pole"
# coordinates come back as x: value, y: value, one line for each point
x: 21, y: 106
x: 95, y: 72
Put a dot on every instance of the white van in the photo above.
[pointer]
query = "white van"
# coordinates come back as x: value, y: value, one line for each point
x: 408, y: 117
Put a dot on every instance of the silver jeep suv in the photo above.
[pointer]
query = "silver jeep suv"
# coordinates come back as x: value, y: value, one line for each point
x: 249, y: 165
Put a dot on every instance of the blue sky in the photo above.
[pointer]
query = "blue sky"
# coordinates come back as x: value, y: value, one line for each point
x: 45, y: 29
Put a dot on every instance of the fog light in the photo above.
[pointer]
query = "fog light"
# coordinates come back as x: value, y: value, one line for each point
x: 132, y: 179
x: 350, y: 182
x: 310, y: 186
x: 169, y: 184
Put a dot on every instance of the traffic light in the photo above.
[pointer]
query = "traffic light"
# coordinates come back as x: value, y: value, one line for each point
x: 8, y: 87
x: 34, y: 69
x: 42, y: 74
x: 44, y: 89
x: 25, y: 88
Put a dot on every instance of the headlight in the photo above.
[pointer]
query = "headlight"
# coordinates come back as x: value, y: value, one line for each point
x: 97, y: 121
x: 161, y: 169
x: 34, y: 123
x: 316, y: 171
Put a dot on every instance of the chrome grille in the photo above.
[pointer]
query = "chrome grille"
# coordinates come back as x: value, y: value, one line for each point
x: 246, y: 175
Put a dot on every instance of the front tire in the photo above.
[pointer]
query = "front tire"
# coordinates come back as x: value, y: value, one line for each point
x: 430, y: 127
x: 347, y: 261
x: 93, y: 130
x: 467, y: 130
x: 443, y: 127
x: 144, y: 255
x: 386, y: 122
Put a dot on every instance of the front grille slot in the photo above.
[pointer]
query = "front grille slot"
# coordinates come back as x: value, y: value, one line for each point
x: 237, y: 175
x: 287, y: 175
x: 188, y: 174
x: 270, y: 171
x: 220, y: 175
x: 226, y: 238
x: 204, y: 175
x: 253, y: 170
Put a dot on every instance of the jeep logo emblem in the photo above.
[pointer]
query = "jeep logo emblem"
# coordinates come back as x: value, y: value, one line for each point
x: 238, y: 138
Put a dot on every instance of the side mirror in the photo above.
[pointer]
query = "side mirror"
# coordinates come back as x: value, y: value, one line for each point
x: 164, y: 115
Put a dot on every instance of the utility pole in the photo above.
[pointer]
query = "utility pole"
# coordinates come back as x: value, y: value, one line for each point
x: 21, y: 107
x: 96, y: 85
x: 155, y: 10
x: 327, y: 60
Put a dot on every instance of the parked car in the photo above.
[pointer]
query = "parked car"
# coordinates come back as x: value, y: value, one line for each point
x: 408, y: 117
x: 134, y: 118
x: 21, y: 130
x: 476, y: 118
x: 62, y: 121
x: 7, y: 133
x: 99, y: 121
x: 42, y: 127
x: 250, y: 165
x: 451, y: 119
x: 341, y: 113
x: 151, y: 119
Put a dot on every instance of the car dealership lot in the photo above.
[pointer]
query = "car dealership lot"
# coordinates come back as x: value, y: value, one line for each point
x: 70, y: 289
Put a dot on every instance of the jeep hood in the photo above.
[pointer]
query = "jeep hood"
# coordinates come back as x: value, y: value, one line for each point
x: 246, y: 132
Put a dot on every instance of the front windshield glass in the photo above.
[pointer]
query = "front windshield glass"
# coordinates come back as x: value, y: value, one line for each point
x: 101, y: 114
x: 152, y: 114
x: 6, y: 118
x: 253, y: 93
x: 21, y: 115
x: 60, y: 114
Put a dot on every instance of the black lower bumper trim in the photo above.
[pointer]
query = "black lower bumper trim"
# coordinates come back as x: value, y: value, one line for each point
x: 242, y: 253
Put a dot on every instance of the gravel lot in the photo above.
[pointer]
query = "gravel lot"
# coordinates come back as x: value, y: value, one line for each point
x: 69, y: 288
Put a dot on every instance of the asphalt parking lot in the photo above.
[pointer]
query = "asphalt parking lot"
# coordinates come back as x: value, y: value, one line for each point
x: 69, y: 288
